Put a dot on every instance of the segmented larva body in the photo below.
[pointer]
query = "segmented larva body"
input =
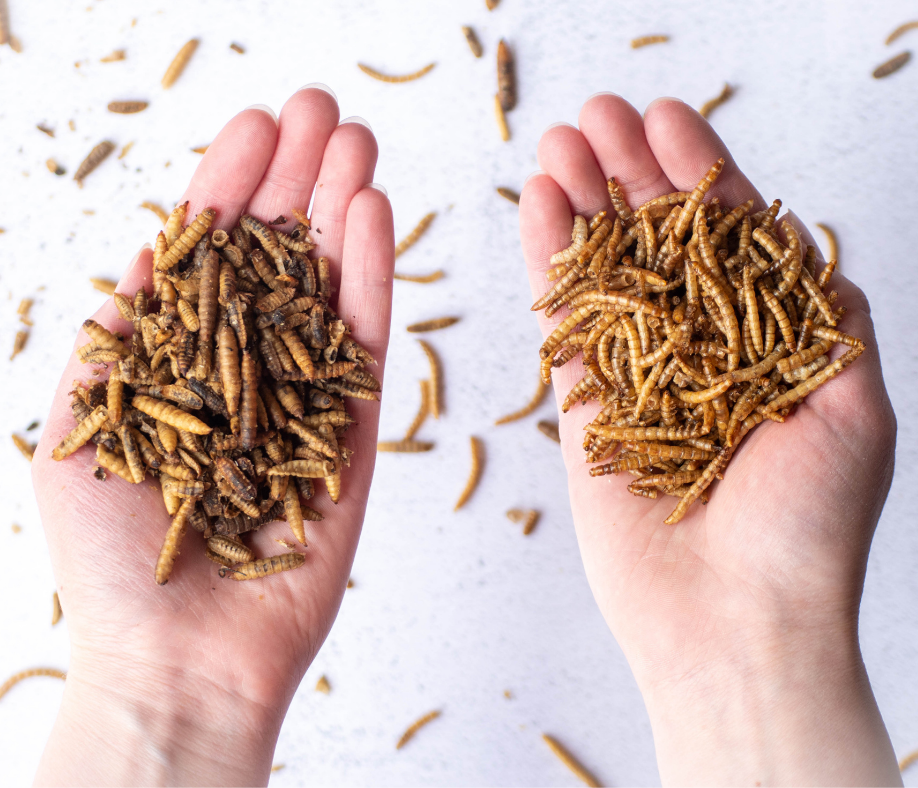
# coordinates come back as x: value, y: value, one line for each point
x: 264, y: 567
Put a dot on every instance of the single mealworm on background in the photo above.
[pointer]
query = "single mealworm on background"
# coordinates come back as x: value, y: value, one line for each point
x: 160, y: 212
x: 179, y: 62
x: 509, y: 194
x: 415, y: 727
x: 127, y: 107
x: 432, y: 325
x: 404, y: 446
x: 832, y: 241
x: 550, y: 430
x: 709, y: 106
x: 570, y: 761
x: 12, y: 681
x: 474, y: 474
x: 501, y: 119
x: 412, y: 238
x: 422, y: 413
x: 96, y: 156
x: 472, y: 39
x: 372, y: 72
x: 506, y: 77
x: 892, y: 65
x: 435, y: 388
x: 26, y: 449
x: 900, y: 31
x: 106, y: 286
x: 643, y: 41
x: 237, y: 48
x: 424, y: 279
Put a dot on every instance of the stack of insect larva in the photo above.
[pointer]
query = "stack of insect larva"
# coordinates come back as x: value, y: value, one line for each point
x: 688, y: 339
x: 230, y: 391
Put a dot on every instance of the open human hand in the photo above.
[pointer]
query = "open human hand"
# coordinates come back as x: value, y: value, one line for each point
x: 774, y: 563
x: 204, y: 660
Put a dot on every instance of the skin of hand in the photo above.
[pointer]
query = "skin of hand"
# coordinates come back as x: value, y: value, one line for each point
x: 188, y: 683
x: 740, y: 622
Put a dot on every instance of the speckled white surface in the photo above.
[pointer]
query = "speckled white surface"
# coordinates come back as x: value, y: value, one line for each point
x: 449, y: 610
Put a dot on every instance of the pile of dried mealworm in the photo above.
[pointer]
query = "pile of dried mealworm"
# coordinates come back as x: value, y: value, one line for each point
x: 230, y: 391
x: 688, y: 341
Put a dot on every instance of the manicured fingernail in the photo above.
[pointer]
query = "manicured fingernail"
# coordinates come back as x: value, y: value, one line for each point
x: 264, y: 108
x: 603, y: 93
x: 532, y: 175
x: 379, y: 187
x: 319, y: 86
x: 356, y: 119
x: 555, y: 125
x: 662, y: 100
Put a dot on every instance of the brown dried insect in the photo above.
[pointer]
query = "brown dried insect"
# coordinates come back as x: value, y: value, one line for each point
x: 127, y: 107
x: 832, y: 240
x: 643, y: 41
x: 474, y: 474
x: 404, y: 447
x: 506, y: 77
x: 27, y: 449
x: 264, y: 567
x: 179, y: 62
x: 892, y: 65
x: 432, y: 325
x: 13, y: 680
x: 96, y: 156
x: 502, y: 126
x: 529, y: 518
x: 550, y: 430
x: 425, y: 279
x: 472, y: 39
x: 237, y: 48
x: 709, y: 106
x: 372, y: 72
x: 509, y: 194
x: 570, y: 761
x: 411, y: 239
x: 416, y: 726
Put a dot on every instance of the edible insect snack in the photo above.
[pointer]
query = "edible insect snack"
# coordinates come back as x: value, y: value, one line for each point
x: 372, y: 72
x: 230, y: 390
x: 694, y: 323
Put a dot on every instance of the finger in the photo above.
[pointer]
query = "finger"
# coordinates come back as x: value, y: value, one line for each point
x: 233, y: 166
x: 615, y: 132
x: 567, y: 157
x: 686, y: 146
x: 347, y: 166
x: 306, y: 122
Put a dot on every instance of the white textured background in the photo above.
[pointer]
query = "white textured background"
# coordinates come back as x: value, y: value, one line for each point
x: 449, y: 610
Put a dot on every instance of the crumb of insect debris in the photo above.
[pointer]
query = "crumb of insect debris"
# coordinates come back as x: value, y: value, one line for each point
x: 56, y: 612
x: 45, y: 129
x: 27, y: 449
x: 508, y: 695
x: 19, y: 343
x: 237, y: 48
x: 99, y: 473
x: 118, y: 54
x: 16, y: 528
x: 72, y: 125
x: 167, y: 165
x: 32, y: 425
x: 473, y: 42
x: 25, y: 306
x: 15, y: 44
x: 322, y: 685
x: 509, y: 194
x: 278, y: 766
x: 200, y: 149
x: 289, y: 545
x: 54, y: 167
x: 350, y: 583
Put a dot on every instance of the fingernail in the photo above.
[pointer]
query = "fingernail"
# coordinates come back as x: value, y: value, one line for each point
x: 133, y: 263
x: 264, y: 108
x: 532, y: 175
x: 555, y: 125
x: 662, y: 100
x: 603, y: 93
x: 356, y: 119
x: 319, y: 86
x: 379, y: 187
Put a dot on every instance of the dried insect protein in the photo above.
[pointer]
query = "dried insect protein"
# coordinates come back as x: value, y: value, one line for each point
x: 411, y: 239
x: 435, y: 388
x: 172, y: 542
x: 179, y: 62
x: 474, y: 474
x: 643, y: 41
x: 404, y: 446
x: 506, y: 77
x: 13, y: 680
x: 472, y: 40
x: 509, y: 194
x: 127, y: 107
x: 432, y: 325
x: 721, y: 98
x: 372, y: 72
x: 96, y: 156
x: 265, y: 567
x: 502, y: 126
x: 541, y: 391
x: 424, y: 279
x: 415, y: 727
x: 900, y: 31
x: 570, y: 761
x: 892, y: 65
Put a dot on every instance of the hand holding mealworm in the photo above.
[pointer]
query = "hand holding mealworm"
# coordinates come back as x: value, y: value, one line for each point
x: 232, y: 651
x: 713, y: 612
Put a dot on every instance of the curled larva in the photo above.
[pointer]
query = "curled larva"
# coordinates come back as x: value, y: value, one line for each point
x: 372, y: 72
x: 415, y: 727
x: 474, y: 474
x: 709, y: 106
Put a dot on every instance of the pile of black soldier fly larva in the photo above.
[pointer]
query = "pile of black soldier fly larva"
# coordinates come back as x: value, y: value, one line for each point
x: 230, y: 388
x: 688, y: 341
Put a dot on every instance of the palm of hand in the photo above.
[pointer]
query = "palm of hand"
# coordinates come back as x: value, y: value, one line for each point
x: 786, y: 533
x: 255, y: 638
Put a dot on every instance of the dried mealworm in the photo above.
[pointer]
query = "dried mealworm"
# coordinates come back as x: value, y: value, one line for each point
x: 473, y: 42
x: 27, y: 449
x: 529, y: 518
x: 404, y: 447
x: 173, y: 540
x: 372, y: 72
x: 264, y: 567
x: 570, y: 761
x: 506, y: 77
x: 415, y: 727
x: 474, y: 475
x: 832, y: 241
x: 12, y: 681
x: 125, y: 150
x: 709, y: 106
x: 127, y: 107
x: 509, y: 194
x: 422, y: 413
x: 502, y: 126
x: 409, y: 240
x: 237, y: 48
x: 179, y: 62
x: 892, y: 65
x: 57, y: 612
x: 643, y: 41
x: 81, y: 434
x: 534, y: 403
x: 231, y: 549
x: 436, y: 377
x: 41, y: 127
x: 186, y: 241
x: 171, y: 415
x: 900, y: 31
x: 96, y: 156
x: 426, y: 279
x: 106, y: 286
x: 432, y: 325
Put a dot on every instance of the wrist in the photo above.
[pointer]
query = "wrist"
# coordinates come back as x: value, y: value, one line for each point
x: 126, y: 722
x: 785, y: 705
